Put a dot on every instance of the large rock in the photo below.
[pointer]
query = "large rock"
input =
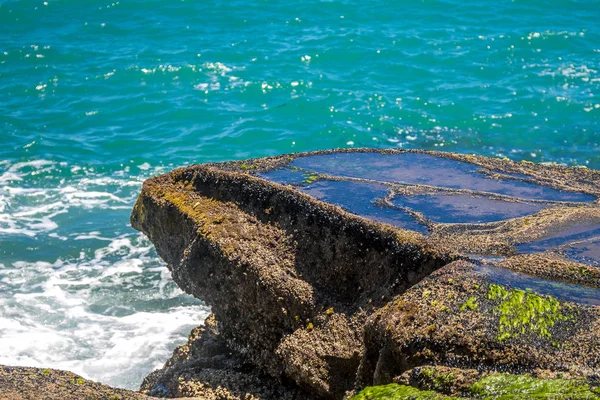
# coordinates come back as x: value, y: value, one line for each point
x: 284, y: 273
x: 459, y: 317
x: 295, y: 254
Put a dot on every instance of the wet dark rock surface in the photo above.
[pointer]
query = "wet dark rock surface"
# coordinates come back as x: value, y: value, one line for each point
x: 448, y: 195
x: 360, y: 198
x: 583, y: 293
x: 335, y: 270
x: 465, y: 208
x: 410, y: 168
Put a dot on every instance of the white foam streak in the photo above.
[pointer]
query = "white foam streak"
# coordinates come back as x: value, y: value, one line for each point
x: 9, y: 176
x: 37, y: 164
x: 29, y: 211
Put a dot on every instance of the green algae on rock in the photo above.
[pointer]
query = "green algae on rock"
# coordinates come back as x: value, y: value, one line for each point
x: 393, y: 391
x: 445, y: 380
x: 468, y: 322
x: 521, y: 312
x: 506, y: 386
x: 491, y: 387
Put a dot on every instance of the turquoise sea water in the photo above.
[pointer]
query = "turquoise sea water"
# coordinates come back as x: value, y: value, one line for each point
x: 96, y: 96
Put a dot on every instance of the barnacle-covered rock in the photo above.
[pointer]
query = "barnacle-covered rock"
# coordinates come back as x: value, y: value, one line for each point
x: 330, y: 269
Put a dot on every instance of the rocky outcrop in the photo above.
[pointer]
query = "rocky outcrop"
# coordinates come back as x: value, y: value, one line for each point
x: 457, y: 317
x: 293, y: 304
x: 331, y: 271
x: 206, y: 368
x: 23, y: 383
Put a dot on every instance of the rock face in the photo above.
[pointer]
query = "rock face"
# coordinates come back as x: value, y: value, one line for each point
x: 208, y: 369
x: 458, y: 317
x: 336, y: 270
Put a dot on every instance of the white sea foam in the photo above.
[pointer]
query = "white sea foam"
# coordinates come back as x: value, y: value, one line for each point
x: 571, y: 72
x: 104, y: 306
x: 37, y: 164
x: 105, y: 181
x: 31, y: 210
x: 113, y: 350
x: 81, y: 317
x: 206, y: 87
x: 217, y: 67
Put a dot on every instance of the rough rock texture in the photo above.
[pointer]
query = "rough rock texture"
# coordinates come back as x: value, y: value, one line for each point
x: 249, y: 249
x: 334, y: 297
x: 456, y: 317
x: 22, y: 383
x: 442, y: 379
x: 550, y: 266
x: 206, y: 368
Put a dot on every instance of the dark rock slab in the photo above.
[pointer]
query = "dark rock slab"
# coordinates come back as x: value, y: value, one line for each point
x: 361, y: 198
x: 426, y: 169
x: 552, y: 267
x: 586, y: 251
x: 577, y: 239
x: 433, y: 192
x: 581, y: 294
x: 575, y: 232
x: 286, y: 176
x: 466, y: 208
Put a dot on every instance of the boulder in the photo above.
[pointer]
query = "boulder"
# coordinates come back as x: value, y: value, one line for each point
x: 331, y: 269
x: 283, y: 272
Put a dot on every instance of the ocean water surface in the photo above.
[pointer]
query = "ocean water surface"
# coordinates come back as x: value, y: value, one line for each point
x: 96, y: 96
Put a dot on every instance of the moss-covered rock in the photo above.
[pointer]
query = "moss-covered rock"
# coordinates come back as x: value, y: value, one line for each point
x: 394, y: 391
x: 506, y: 386
x: 446, y: 380
x: 466, y: 321
x: 498, y: 386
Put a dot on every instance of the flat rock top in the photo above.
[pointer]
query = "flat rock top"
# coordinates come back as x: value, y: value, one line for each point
x: 429, y: 192
x: 497, y: 212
